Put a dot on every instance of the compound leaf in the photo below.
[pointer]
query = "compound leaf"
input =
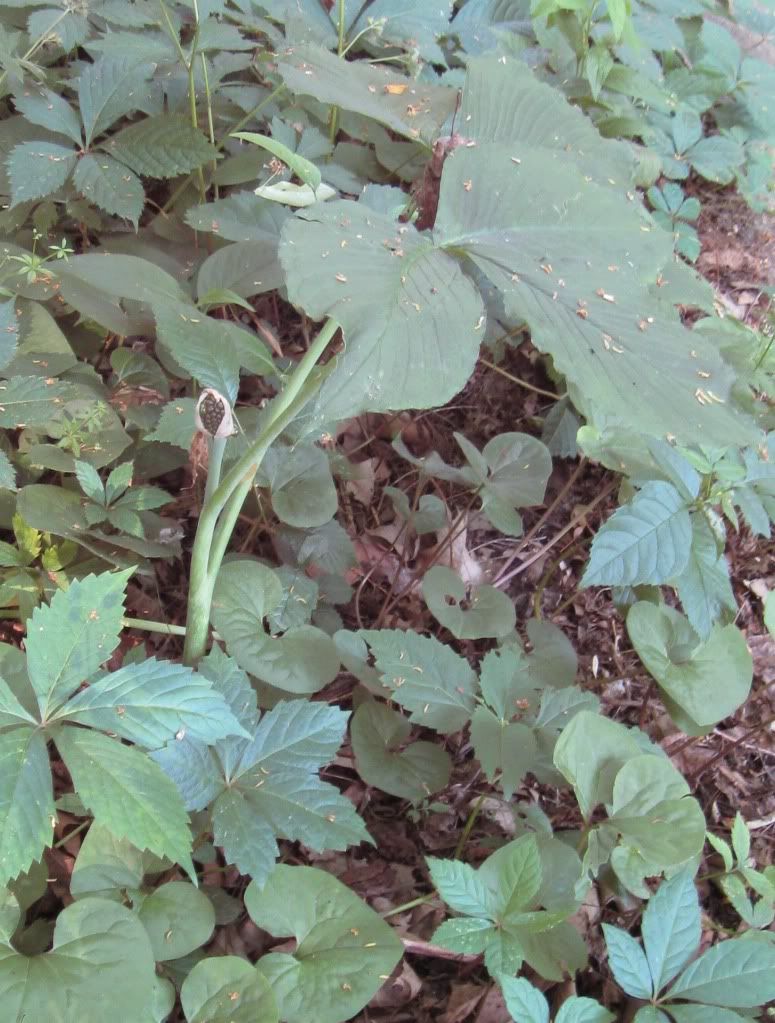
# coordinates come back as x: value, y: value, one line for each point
x: 108, y: 89
x: 115, y: 189
x: 735, y: 974
x: 671, y: 928
x: 36, y: 169
x: 26, y: 801
x: 628, y: 962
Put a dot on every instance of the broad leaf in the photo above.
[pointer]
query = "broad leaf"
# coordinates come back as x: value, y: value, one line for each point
x: 127, y: 793
x: 524, y: 1002
x: 178, y: 918
x: 103, y: 181
x: 646, y: 541
x: 201, y: 345
x: 98, y: 947
x: 227, y: 989
x: 410, y: 317
x: 152, y: 703
x: 36, y: 169
x: 109, y: 89
x: 424, y: 676
x: 31, y: 401
x: 161, y: 147
x: 707, y: 681
x: 628, y: 963
x: 68, y: 640
x: 736, y: 974
x: 9, y: 332
x: 26, y: 801
x: 51, y: 111
x: 704, y: 587
x: 385, y: 758
x: 502, y: 747
x: 344, y: 949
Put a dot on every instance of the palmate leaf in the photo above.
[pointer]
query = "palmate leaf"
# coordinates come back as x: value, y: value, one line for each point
x: 161, y: 147
x: 50, y: 110
x: 99, y: 946
x: 26, y: 801
x: 410, y: 317
x: 344, y: 953
x: 68, y: 640
x: 127, y: 793
x: 110, y: 88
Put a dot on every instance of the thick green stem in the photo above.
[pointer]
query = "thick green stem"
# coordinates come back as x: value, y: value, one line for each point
x: 222, y: 505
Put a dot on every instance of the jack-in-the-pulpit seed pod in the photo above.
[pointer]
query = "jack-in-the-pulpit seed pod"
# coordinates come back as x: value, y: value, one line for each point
x: 213, y: 414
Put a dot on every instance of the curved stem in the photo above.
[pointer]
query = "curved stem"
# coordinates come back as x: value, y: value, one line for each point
x: 214, y: 529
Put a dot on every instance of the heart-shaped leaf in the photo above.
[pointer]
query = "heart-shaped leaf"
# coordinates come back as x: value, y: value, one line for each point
x: 484, y: 612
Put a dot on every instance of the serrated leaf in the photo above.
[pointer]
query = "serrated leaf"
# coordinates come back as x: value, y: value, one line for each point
x: 105, y: 865
x: 178, y: 918
x: 671, y: 928
x: 707, y: 681
x: 98, y: 946
x: 461, y: 887
x: 481, y: 612
x: 127, y: 793
x: 227, y: 989
x: 36, y: 169
x: 735, y: 974
x: 26, y: 801
x: 424, y: 676
x: 31, y: 401
x: 115, y: 189
x: 11, y: 710
x: 152, y: 703
x: 386, y: 760
x: 646, y: 541
x: 583, y: 1010
x: 9, y: 332
x: 274, y: 789
x: 7, y: 473
x: 627, y: 962
x: 176, y: 424
x: 194, y: 769
x: 163, y: 146
x: 109, y: 89
x: 69, y: 639
x: 395, y: 295
x: 51, y: 111
x: 344, y: 950
x: 90, y: 482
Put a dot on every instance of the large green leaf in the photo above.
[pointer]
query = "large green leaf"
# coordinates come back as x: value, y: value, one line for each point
x: 408, y: 107
x: 152, y: 703
x: 583, y: 272
x: 227, y: 989
x: 645, y: 541
x: 100, y: 950
x: 424, y: 676
x: 36, y: 169
x: 704, y: 586
x: 31, y: 401
x: 344, y: 949
x: 384, y: 758
x: 50, y: 110
x: 110, y: 88
x: 410, y: 317
x: 115, y: 189
x: 68, y: 640
x: 161, y: 147
x: 503, y: 747
x: 26, y: 801
x: 706, y: 680
x: 671, y: 928
x: 303, y: 491
x: 737, y: 974
x: 127, y: 793
x: 302, y: 660
x: 201, y: 345
x: 178, y: 919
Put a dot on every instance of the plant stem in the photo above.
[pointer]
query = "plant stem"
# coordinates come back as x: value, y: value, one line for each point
x: 333, y: 122
x: 214, y: 463
x: 469, y: 827
x: 222, y: 504
x: 517, y: 380
x: 38, y: 42
x: 150, y: 626
x: 419, y: 901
